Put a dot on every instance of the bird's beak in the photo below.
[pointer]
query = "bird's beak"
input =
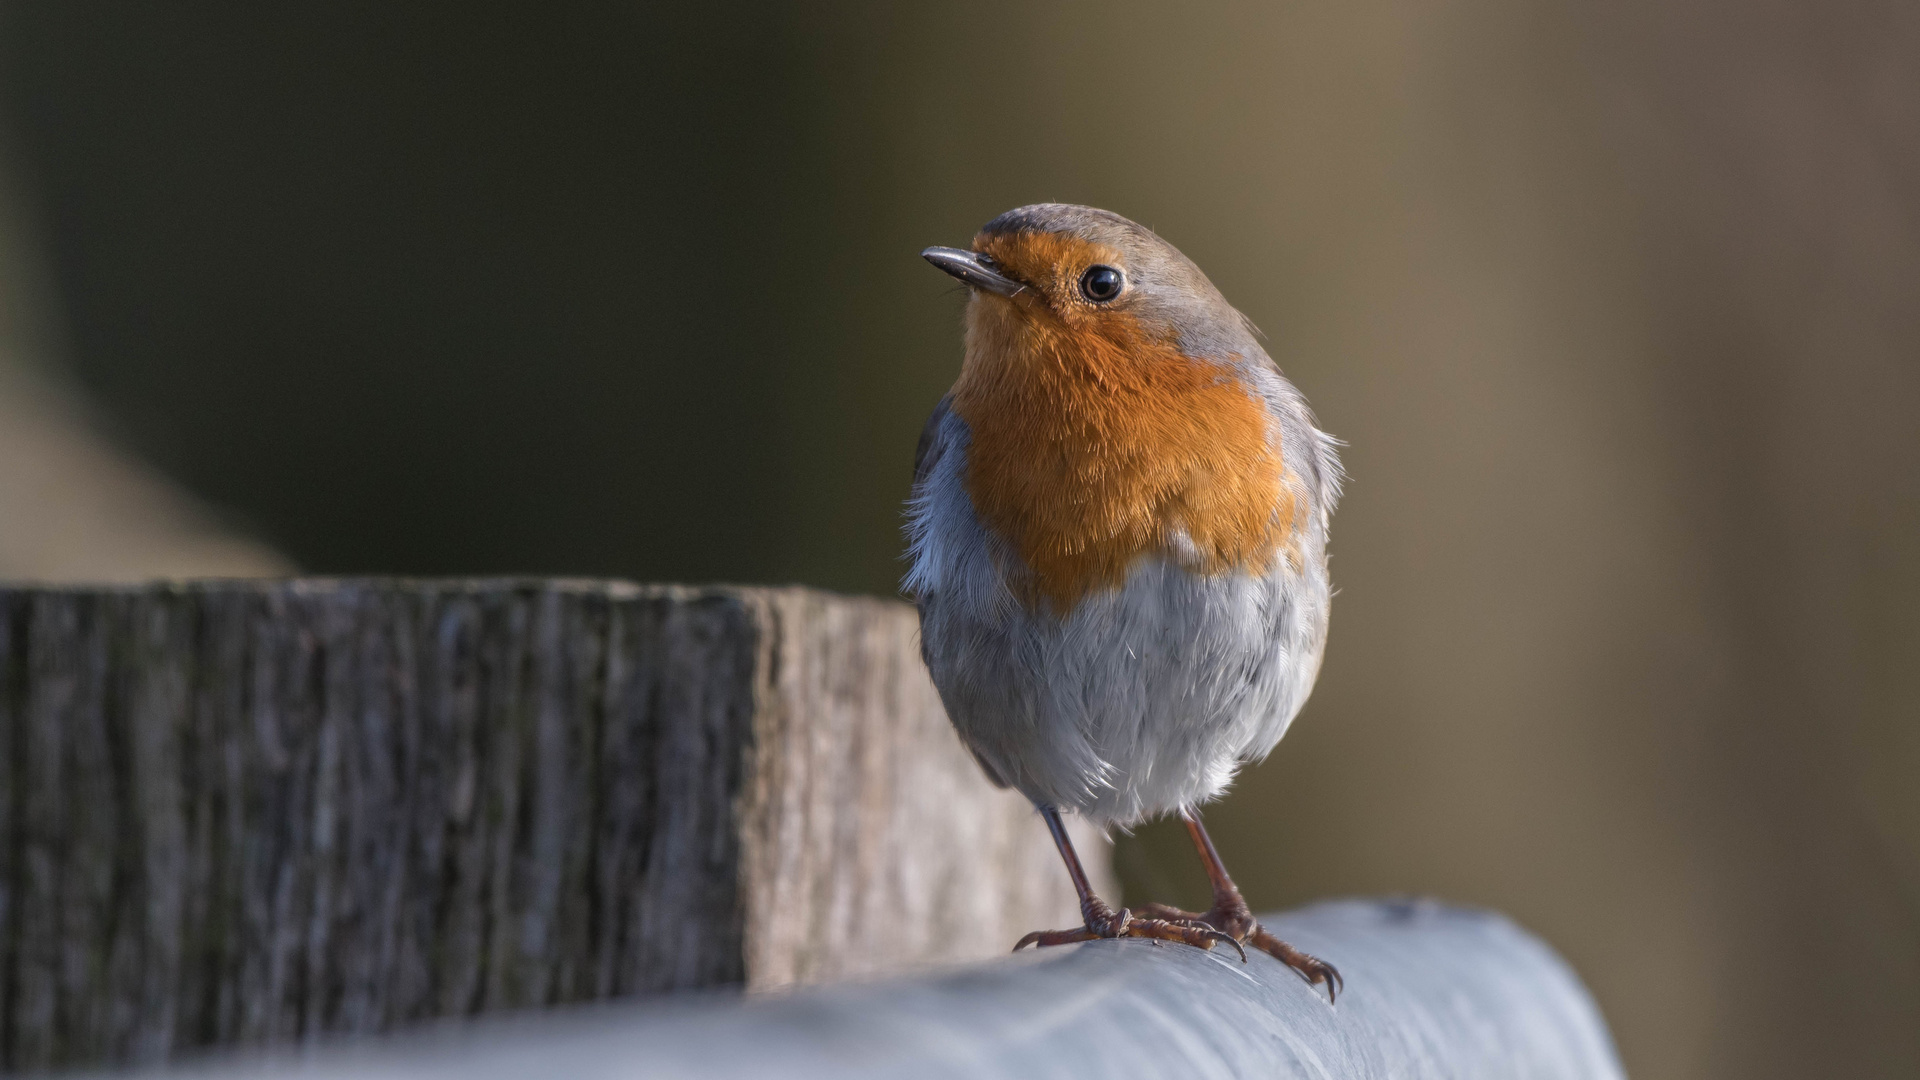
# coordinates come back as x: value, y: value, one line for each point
x: 973, y: 268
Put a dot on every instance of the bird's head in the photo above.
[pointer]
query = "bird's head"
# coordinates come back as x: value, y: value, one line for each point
x: 1057, y: 276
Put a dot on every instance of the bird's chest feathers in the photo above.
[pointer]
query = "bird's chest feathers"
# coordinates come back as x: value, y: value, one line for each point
x: 1091, y: 451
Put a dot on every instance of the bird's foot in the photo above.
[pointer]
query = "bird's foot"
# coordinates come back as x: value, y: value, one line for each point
x: 1104, y: 922
x: 1230, y: 916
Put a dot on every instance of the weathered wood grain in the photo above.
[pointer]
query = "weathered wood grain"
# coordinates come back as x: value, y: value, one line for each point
x: 256, y: 813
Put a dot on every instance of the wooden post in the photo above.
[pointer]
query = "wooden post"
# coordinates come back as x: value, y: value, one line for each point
x: 260, y: 812
x: 1433, y: 993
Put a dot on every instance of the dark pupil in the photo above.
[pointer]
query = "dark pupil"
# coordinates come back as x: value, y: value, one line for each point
x: 1101, y: 283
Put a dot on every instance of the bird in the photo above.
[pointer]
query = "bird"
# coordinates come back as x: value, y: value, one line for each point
x: 1117, y: 544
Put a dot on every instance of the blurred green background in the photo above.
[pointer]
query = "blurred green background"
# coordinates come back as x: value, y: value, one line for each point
x: 1618, y: 306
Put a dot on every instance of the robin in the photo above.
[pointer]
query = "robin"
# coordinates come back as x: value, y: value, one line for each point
x: 1117, y: 539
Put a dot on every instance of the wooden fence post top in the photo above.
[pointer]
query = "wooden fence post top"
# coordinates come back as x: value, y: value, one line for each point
x: 1432, y: 992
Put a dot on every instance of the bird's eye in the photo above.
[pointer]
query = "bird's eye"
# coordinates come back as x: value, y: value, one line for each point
x: 1101, y: 283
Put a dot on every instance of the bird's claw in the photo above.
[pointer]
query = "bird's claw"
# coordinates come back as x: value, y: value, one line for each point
x: 1122, y: 923
x: 1309, y: 967
x: 1239, y: 926
x: 1197, y: 934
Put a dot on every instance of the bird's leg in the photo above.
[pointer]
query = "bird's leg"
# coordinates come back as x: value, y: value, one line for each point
x: 1230, y: 915
x: 1102, y: 921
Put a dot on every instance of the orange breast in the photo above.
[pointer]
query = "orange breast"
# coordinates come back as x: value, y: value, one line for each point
x: 1093, y: 447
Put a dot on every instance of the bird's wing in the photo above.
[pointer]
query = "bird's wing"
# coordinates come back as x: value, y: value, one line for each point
x: 931, y: 446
